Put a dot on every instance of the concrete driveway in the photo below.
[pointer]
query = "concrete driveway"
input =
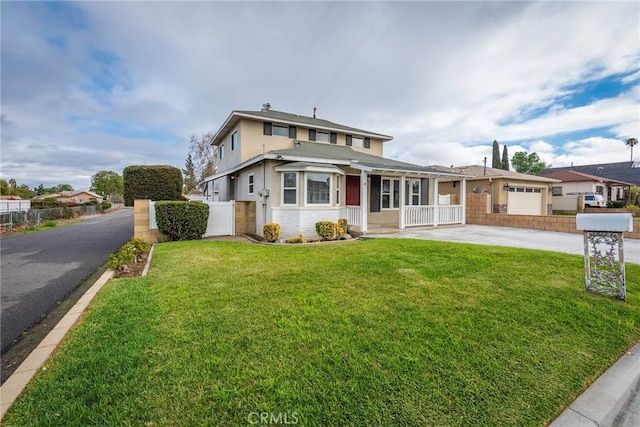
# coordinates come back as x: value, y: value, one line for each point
x: 514, y: 237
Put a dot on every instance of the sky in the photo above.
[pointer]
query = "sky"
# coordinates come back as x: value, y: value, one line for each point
x: 92, y: 86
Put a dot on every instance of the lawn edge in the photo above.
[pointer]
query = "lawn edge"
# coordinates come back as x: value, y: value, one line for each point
x: 16, y: 383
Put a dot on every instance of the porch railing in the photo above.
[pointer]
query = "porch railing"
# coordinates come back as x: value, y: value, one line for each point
x: 353, y: 215
x: 425, y: 215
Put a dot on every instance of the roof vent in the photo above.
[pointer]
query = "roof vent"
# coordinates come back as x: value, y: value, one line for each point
x: 266, y: 107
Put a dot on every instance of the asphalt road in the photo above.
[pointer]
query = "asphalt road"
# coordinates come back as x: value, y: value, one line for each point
x: 40, y: 269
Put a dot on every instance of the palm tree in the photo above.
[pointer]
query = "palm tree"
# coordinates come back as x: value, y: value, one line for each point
x: 631, y: 142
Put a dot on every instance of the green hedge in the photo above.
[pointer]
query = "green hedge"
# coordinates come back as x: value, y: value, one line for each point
x: 160, y: 182
x: 182, y: 220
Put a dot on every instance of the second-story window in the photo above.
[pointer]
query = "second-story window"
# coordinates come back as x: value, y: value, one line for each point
x: 251, y: 185
x: 356, y: 141
x: 280, y: 130
x: 234, y: 141
x: 221, y: 151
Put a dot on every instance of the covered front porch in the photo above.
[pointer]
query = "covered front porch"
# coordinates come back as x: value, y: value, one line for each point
x: 397, y: 199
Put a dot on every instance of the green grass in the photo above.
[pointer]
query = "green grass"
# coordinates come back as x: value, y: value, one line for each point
x: 377, y: 332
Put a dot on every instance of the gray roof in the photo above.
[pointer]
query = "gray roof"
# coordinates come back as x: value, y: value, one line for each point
x: 620, y: 171
x: 293, y: 119
x: 317, y: 150
x: 481, y: 172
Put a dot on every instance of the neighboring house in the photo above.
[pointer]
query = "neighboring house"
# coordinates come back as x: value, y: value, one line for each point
x: 578, y: 182
x: 511, y: 192
x: 74, y: 197
x: 628, y: 172
x: 300, y: 170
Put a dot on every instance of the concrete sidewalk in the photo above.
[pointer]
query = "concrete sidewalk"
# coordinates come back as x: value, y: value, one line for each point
x: 508, y: 236
x: 614, y: 398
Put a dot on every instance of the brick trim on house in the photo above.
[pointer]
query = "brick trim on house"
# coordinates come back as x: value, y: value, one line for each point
x: 478, y: 213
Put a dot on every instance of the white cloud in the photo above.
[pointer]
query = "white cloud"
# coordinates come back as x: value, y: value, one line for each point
x: 445, y: 79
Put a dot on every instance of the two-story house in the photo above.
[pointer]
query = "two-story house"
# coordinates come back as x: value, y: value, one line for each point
x: 300, y: 170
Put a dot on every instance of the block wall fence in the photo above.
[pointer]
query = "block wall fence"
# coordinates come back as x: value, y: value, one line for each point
x: 478, y: 212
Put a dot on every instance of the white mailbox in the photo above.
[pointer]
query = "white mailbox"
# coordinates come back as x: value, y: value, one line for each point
x: 604, y: 251
x: 605, y: 222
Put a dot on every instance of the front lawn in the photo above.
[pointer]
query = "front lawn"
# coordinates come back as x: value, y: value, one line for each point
x: 377, y: 332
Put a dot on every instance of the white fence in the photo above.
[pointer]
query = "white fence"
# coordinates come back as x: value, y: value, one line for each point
x: 353, y: 215
x: 428, y: 215
x: 221, y: 220
x: 14, y: 205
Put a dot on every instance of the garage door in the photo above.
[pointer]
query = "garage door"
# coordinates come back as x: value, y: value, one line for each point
x: 524, y: 201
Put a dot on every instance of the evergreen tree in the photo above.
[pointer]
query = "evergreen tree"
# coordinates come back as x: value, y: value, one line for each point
x: 505, y: 159
x: 496, y: 163
x: 189, y: 173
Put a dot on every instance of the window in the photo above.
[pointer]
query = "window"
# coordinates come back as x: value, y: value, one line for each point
x: 390, y: 194
x: 338, y: 184
x: 250, y: 184
x: 357, y: 142
x: 599, y: 189
x: 221, y: 151
x: 318, y: 188
x: 322, y: 136
x: 556, y: 191
x: 280, y: 130
x: 412, y: 192
x: 234, y: 141
x: 290, y: 188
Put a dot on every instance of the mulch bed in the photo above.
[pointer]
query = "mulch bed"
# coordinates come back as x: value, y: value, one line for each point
x: 134, y: 269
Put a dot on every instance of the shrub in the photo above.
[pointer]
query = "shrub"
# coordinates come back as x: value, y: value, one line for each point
x: 298, y: 239
x: 342, y: 226
x: 105, y: 206
x: 271, y: 232
x: 182, y: 220
x: 328, y: 230
x: 632, y: 207
x: 161, y: 182
x: 130, y: 252
x: 615, y: 203
x: 67, y: 213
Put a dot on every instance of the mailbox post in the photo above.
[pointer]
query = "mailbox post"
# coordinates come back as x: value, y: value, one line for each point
x: 604, y: 251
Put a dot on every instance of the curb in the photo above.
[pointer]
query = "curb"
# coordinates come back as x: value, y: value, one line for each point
x: 601, y: 403
x: 145, y: 270
x: 14, y: 385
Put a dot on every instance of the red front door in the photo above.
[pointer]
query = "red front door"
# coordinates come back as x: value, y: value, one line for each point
x: 353, y: 190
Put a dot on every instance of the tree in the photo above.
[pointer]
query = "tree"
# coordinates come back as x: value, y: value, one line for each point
x: 107, y: 183
x: 631, y: 142
x: 23, y: 191
x: 505, y: 159
x: 63, y: 187
x: 530, y: 163
x: 203, y: 155
x: 495, y: 162
x: 189, y: 172
x: 4, y: 187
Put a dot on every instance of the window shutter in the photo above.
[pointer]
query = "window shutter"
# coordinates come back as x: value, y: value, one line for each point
x: 424, y: 191
x: 349, y: 141
x: 312, y: 134
x: 367, y: 143
x: 267, y: 128
x: 293, y: 132
x: 376, y: 180
x: 333, y: 138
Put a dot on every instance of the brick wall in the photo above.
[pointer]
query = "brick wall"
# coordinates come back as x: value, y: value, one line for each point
x: 477, y: 214
x: 141, y: 222
x: 245, y: 220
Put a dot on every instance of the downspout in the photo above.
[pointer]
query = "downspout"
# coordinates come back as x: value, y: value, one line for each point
x: 264, y: 186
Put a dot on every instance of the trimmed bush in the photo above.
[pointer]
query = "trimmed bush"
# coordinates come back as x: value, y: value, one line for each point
x: 130, y: 252
x: 298, y: 239
x: 271, y: 232
x: 182, y: 220
x: 327, y: 230
x: 161, y: 182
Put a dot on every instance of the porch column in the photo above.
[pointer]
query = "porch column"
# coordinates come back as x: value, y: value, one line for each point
x: 463, y: 200
x: 401, y: 214
x: 363, y: 201
x: 435, y: 202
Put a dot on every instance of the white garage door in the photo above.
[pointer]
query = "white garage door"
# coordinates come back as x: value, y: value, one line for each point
x: 524, y: 201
